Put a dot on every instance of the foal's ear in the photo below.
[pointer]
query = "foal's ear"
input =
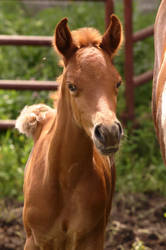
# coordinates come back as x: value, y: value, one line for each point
x: 63, y: 39
x: 113, y: 36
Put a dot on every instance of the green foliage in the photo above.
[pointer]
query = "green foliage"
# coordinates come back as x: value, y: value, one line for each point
x: 138, y: 245
x: 139, y: 163
x: 14, y: 151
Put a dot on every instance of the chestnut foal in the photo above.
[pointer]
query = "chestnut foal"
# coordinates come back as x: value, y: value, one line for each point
x: 70, y: 175
x: 159, y: 78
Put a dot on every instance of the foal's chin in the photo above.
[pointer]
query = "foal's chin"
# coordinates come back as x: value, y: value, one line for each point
x: 106, y: 150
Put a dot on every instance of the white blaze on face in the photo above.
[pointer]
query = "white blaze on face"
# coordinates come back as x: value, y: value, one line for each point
x: 161, y: 79
x: 104, y: 114
x: 163, y: 114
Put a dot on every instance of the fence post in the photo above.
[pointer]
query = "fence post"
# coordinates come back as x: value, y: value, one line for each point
x: 109, y: 9
x: 129, y: 64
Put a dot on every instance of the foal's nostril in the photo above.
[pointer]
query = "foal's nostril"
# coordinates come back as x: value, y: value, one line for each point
x: 108, y: 135
x: 98, y: 132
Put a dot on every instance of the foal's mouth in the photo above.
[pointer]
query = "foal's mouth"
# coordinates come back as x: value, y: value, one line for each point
x: 107, y: 150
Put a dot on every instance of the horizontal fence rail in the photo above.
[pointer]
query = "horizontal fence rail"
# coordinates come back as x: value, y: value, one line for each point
x: 144, y: 33
x: 25, y: 40
x: 5, y: 124
x: 28, y: 85
x: 143, y: 78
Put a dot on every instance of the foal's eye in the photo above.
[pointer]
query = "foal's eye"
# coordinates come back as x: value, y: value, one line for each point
x: 72, y: 87
x: 118, y: 84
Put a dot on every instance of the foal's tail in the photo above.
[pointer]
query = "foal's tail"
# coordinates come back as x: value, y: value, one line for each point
x: 31, y: 117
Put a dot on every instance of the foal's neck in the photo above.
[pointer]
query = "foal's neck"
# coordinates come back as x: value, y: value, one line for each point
x: 70, y: 143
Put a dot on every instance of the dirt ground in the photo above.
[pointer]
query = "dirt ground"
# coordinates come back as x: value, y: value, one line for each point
x: 138, y: 222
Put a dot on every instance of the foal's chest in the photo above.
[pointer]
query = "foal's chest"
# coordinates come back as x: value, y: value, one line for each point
x: 76, y: 203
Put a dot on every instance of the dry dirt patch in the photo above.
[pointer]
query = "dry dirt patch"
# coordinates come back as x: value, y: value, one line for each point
x: 137, y: 222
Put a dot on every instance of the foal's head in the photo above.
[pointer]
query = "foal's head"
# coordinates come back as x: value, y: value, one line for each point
x: 90, y: 81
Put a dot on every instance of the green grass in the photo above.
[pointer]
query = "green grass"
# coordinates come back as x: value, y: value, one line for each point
x: 139, y: 164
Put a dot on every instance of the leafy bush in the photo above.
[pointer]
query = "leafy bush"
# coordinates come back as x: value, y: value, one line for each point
x: 14, y: 151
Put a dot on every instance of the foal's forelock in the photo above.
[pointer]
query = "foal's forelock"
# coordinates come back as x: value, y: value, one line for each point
x: 85, y: 37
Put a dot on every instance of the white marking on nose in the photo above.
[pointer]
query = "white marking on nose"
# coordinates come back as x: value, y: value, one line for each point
x: 163, y: 113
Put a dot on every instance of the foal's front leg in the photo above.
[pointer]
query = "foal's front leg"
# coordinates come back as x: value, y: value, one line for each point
x: 93, y: 240
x: 30, y: 245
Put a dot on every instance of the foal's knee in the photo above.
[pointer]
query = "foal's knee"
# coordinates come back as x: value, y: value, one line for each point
x: 30, y: 245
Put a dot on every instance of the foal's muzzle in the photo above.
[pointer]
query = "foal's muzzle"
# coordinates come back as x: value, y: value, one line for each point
x: 107, y: 138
